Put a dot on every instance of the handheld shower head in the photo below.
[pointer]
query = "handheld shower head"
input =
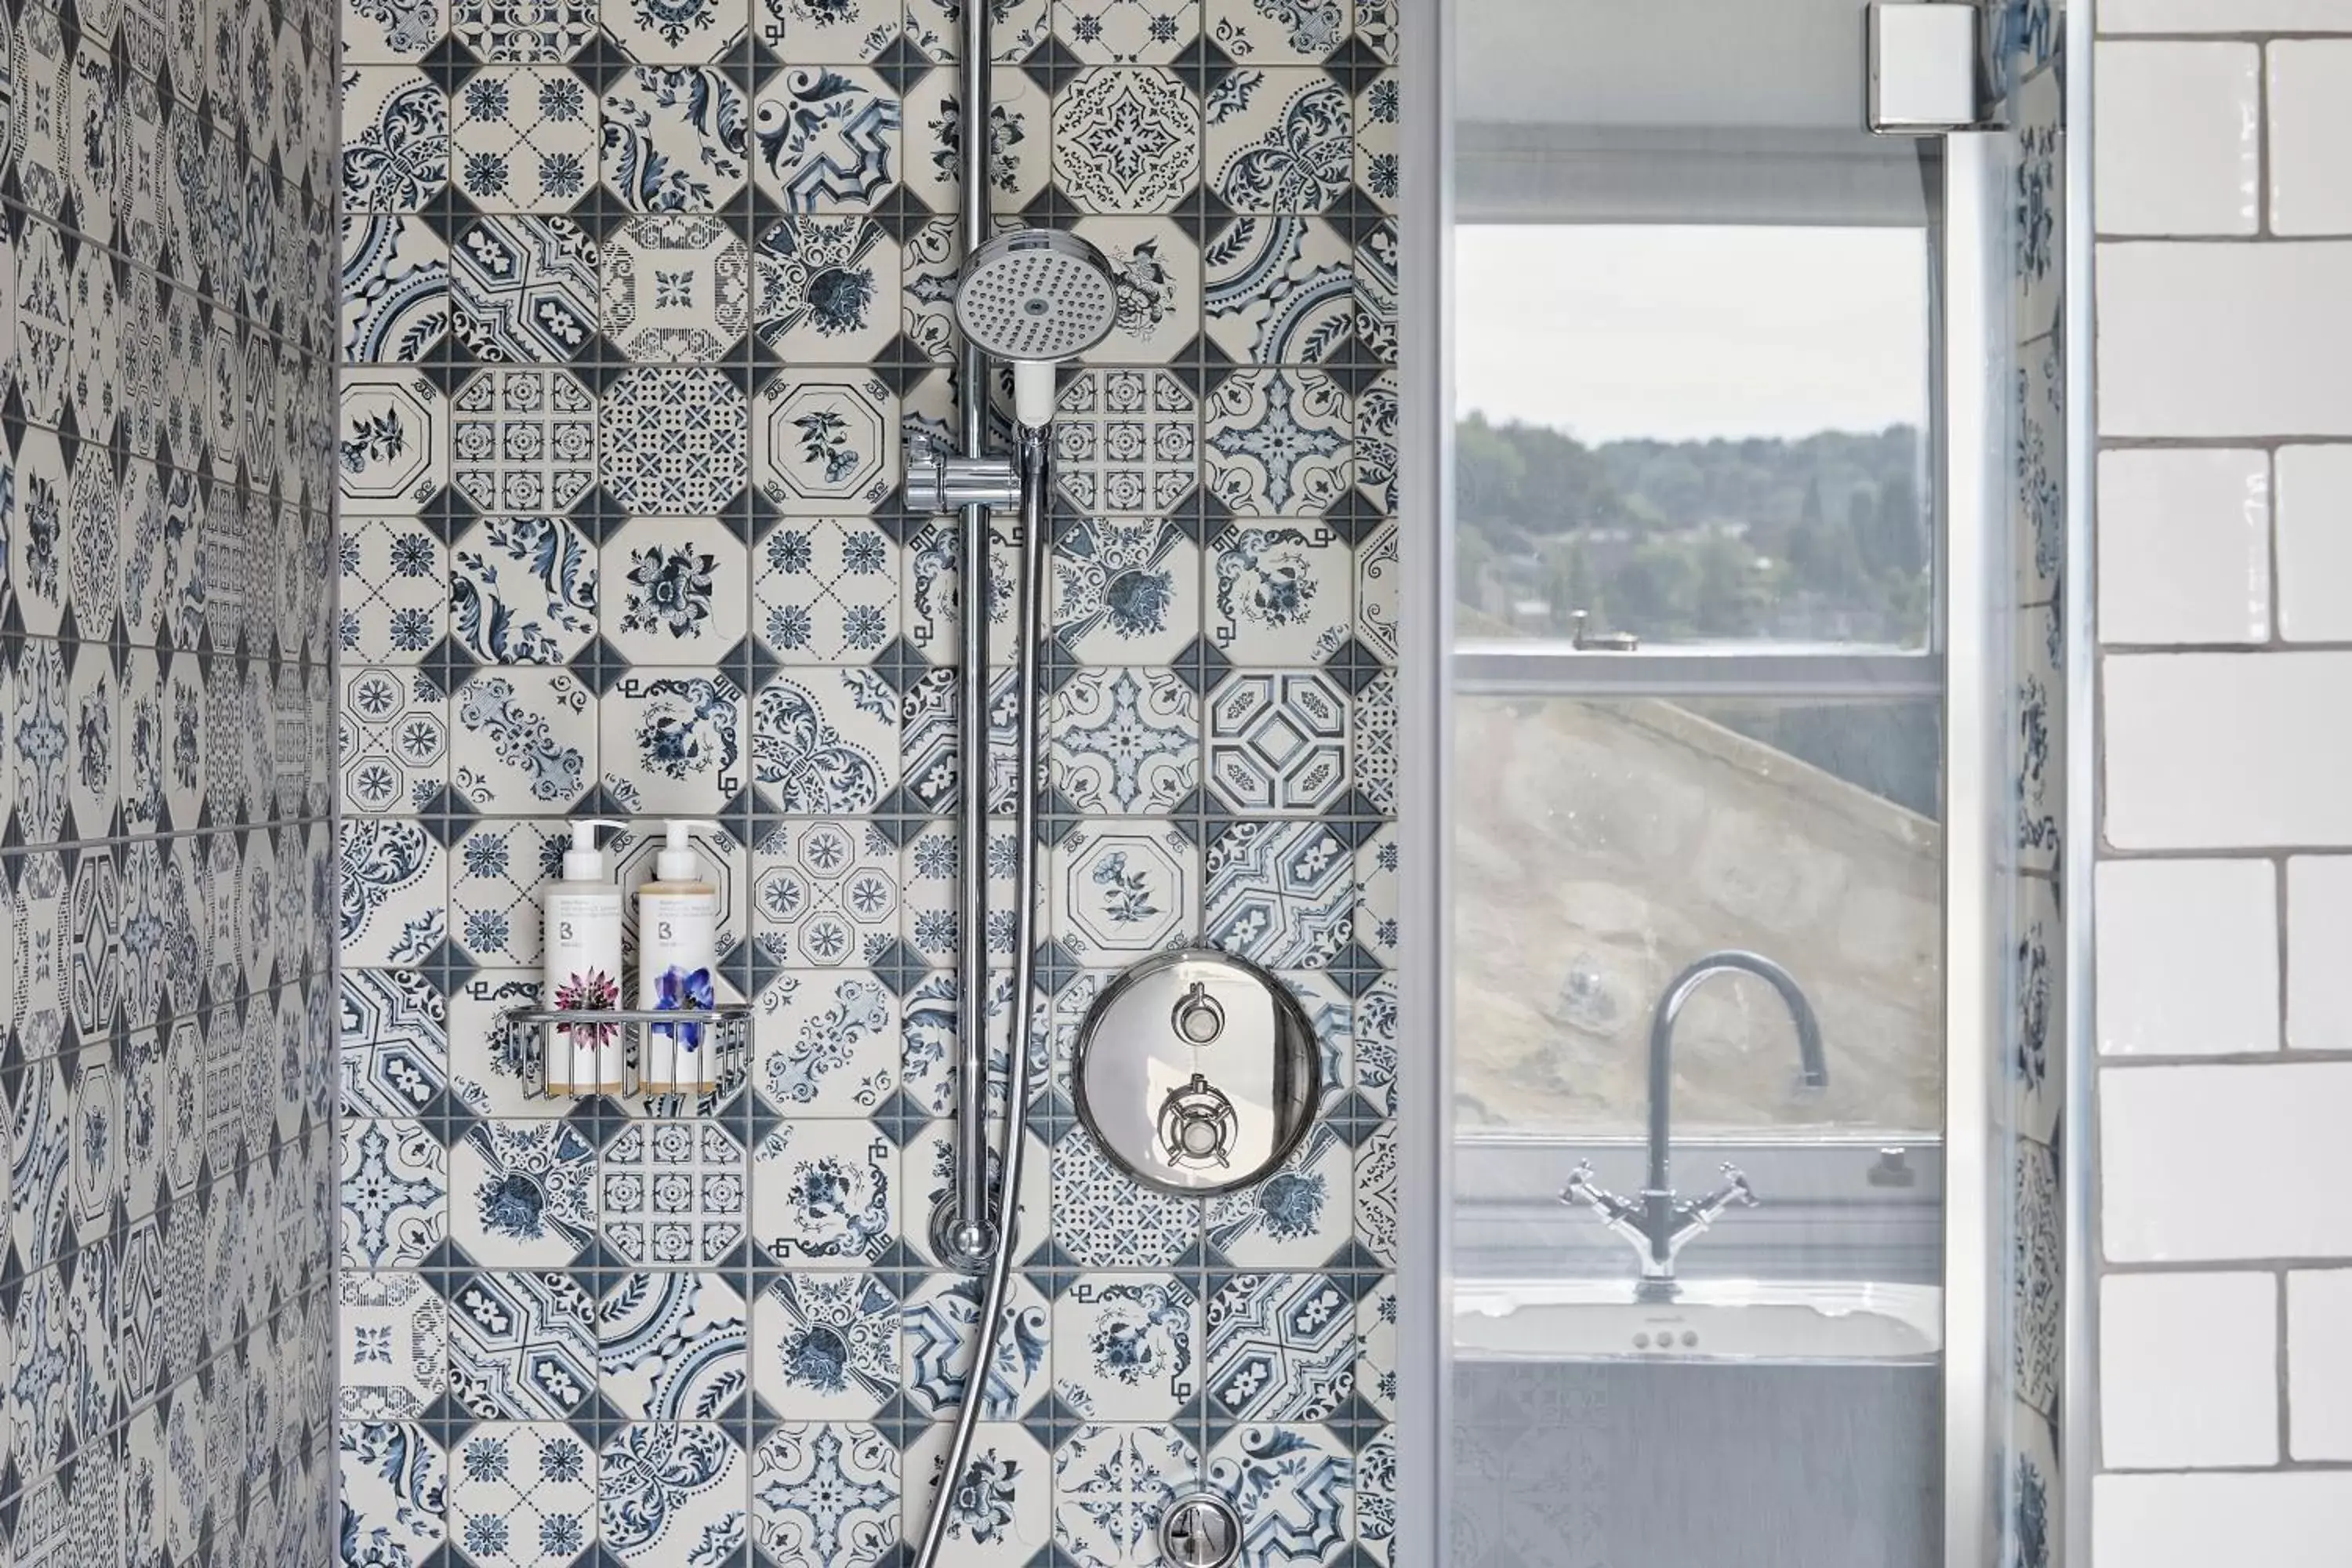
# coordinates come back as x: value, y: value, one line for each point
x: 1035, y: 297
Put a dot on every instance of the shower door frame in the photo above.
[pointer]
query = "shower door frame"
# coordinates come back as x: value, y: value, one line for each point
x: 1969, y: 346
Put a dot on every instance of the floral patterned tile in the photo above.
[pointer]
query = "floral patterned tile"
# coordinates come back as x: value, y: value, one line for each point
x: 674, y: 590
x: 675, y: 138
x: 671, y: 1193
x: 928, y: 1166
x: 1377, y: 122
x: 1294, y: 1486
x: 1126, y: 32
x: 824, y: 1193
x: 1125, y: 591
x: 825, y: 742
x: 932, y: 901
x: 523, y: 441
x: 672, y: 32
x: 825, y: 290
x: 394, y: 1488
x: 826, y: 445
x: 677, y: 286
x: 395, y: 1194
x: 379, y: 32
x: 392, y: 892
x: 941, y: 1315
x: 1001, y: 1508
x: 825, y: 893
x: 1379, y: 905
x: 524, y: 138
x: 395, y: 155
x: 520, y: 1194
x: 1126, y: 442
x: 1279, y: 32
x: 393, y: 445
x: 827, y: 591
x: 523, y: 31
x: 664, y: 1490
x: 1019, y: 26
x: 1281, y: 289
x: 523, y: 740
x: 826, y: 139
x: 524, y: 590
x: 672, y: 1346
x: 499, y: 875
x: 825, y: 1345
x: 1376, y: 290
x: 392, y: 1344
x: 1126, y: 139
x: 1280, y: 139
x: 1020, y: 159
x: 395, y: 291
x: 671, y: 741
x: 1125, y: 741
x: 1156, y: 272
x: 522, y: 289
x: 1376, y: 1354
x: 1299, y: 1217
x: 1280, y: 442
x: 823, y: 31
x: 825, y: 1492
x: 1127, y: 1347
x: 522, y: 1493
x: 1123, y: 887
x: 392, y: 740
x: 1279, y: 592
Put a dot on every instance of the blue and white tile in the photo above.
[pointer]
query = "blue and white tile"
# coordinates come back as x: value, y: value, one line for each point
x: 1377, y: 593
x: 163, y: 579
x: 522, y: 740
x: 1112, y: 1484
x: 395, y: 294
x: 1126, y: 442
x: 504, y: 32
x: 393, y: 446
x: 1374, y: 759
x: 1376, y: 1492
x: 394, y: 594
x: 1281, y: 894
x: 1020, y: 148
x: 393, y: 1042
x: 931, y: 258
x: 499, y: 1075
x: 1280, y: 290
x: 524, y: 590
x: 391, y: 1338
x: 825, y: 290
x: 1277, y: 741
x: 671, y: 741
x: 523, y: 138
x: 1280, y: 593
x: 1298, y: 1216
x: 163, y: 743
x: 676, y: 138
x: 672, y: 32
x: 521, y: 1193
x: 1020, y: 25
x: 932, y: 591
x: 674, y: 590
x: 824, y: 742
x: 522, y: 1494
x: 1376, y: 1347
x: 1376, y: 290
x: 928, y: 1163
x: 1279, y: 139
x: 825, y: 893
x: 522, y: 1344
x: 1379, y: 901
x: 1279, y: 442
x: 833, y: 32
x: 667, y: 1492
x: 827, y: 590
x: 1126, y: 591
x: 93, y: 697
x: 1125, y: 740
x: 523, y: 288
x: 36, y: 530
x: 825, y: 444
x: 2037, y: 1009
x: 1127, y: 1347
x: 824, y: 1193
x: 1376, y: 1194
x: 42, y: 304
x: 1126, y: 139
x: 676, y: 287
x: 2034, y: 1489
x: 498, y: 882
x: 2037, y: 504
x: 395, y: 127
x: 1155, y: 269
x: 825, y: 1492
x: 673, y: 1345
x: 2037, y: 760
x: 391, y: 31
x: 827, y: 138
x: 1118, y: 888
x: 395, y: 1489
x: 2038, y: 201
x: 825, y: 1345
x: 1279, y: 32
x: 1001, y: 1508
x: 1376, y: 1019
x: 1294, y: 1486
x: 522, y: 441
x: 942, y: 1314
x: 1104, y: 1218
x: 394, y: 1194
x: 1378, y: 124
x: 164, y: 1491
x: 932, y: 912
x: 673, y: 440
x: 1126, y: 32
x: 670, y: 1195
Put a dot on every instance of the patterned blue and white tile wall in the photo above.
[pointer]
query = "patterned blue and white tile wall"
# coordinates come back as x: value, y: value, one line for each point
x: 638, y: 303
x: 167, y: 885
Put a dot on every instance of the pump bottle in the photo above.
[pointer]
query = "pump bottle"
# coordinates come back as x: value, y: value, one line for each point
x: 677, y: 963
x: 581, y: 948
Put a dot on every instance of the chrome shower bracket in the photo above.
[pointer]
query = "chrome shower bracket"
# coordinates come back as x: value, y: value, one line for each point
x: 965, y: 1248
x: 939, y: 480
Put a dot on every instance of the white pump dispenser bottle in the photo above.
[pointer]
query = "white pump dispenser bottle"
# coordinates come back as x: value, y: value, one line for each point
x: 677, y: 963
x: 581, y: 950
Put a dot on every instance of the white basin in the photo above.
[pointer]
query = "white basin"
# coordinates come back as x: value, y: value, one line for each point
x: 1711, y: 1320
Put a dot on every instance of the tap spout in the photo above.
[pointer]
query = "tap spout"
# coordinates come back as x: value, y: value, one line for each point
x: 1813, y: 1072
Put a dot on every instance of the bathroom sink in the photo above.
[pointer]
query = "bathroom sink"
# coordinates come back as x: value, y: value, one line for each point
x: 1712, y: 1320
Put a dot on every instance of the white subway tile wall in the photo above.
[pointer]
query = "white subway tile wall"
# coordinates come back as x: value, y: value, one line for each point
x: 2223, y: 914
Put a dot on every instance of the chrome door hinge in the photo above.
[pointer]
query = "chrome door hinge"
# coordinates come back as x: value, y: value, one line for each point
x: 1927, y: 68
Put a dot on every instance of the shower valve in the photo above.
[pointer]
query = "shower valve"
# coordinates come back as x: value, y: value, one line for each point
x: 939, y: 480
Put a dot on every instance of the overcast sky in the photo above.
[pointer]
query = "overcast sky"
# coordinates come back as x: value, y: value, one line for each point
x: 1679, y: 333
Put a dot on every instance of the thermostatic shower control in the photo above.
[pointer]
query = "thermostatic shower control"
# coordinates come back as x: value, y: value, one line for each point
x: 1196, y: 1072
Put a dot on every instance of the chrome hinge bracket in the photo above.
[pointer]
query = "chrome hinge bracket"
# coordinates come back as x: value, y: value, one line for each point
x: 1928, y: 67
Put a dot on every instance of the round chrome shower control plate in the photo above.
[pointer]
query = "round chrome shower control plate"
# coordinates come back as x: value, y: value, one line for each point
x: 1196, y: 1072
x: 1200, y: 1530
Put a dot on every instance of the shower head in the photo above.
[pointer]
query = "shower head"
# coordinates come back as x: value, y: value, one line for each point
x: 1035, y: 297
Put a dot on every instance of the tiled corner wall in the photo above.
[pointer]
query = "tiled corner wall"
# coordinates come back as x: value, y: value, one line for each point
x: 2224, y: 209
x: 638, y: 303
x: 2029, y: 1256
x: 166, y: 853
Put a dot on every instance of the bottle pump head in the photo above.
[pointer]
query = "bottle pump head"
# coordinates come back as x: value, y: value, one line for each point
x: 583, y: 862
x: 677, y: 861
